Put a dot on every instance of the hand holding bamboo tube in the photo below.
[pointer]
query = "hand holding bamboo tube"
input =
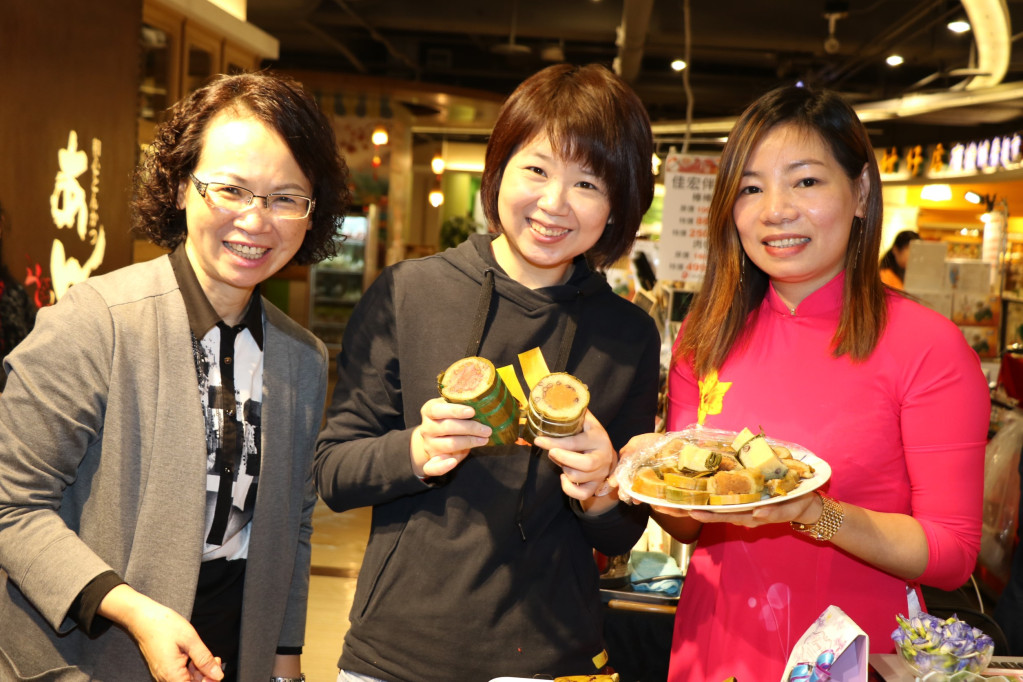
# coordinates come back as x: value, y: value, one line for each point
x: 474, y: 381
x: 444, y: 437
x: 586, y: 460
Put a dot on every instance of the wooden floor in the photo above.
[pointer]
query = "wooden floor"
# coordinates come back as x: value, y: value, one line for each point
x: 339, y: 542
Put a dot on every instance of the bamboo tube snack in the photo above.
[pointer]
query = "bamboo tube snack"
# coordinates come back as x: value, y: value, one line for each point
x: 474, y: 381
x: 557, y: 405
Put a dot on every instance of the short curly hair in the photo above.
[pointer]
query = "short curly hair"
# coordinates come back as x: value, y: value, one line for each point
x: 591, y: 116
x: 285, y: 107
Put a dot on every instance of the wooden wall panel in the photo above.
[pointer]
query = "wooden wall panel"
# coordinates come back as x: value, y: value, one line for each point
x: 68, y: 69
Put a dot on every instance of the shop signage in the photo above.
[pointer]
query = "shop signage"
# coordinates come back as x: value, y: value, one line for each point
x: 989, y: 155
x: 688, y: 187
x: 996, y: 153
x: 69, y: 209
x: 69, y: 147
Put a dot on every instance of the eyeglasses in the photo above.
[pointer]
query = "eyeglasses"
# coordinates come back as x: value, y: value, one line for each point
x: 234, y: 198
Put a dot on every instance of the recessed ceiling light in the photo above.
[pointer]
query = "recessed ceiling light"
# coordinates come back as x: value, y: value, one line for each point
x: 959, y: 26
x: 894, y: 60
x: 677, y: 64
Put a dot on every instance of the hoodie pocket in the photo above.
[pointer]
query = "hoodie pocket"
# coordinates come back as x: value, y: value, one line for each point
x: 368, y: 587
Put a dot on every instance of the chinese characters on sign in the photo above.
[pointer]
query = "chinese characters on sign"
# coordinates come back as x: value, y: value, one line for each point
x: 999, y: 153
x: 69, y: 209
x: 688, y: 186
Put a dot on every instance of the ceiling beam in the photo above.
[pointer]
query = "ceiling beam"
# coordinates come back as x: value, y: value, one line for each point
x: 632, y: 38
x: 992, y: 34
x: 884, y: 110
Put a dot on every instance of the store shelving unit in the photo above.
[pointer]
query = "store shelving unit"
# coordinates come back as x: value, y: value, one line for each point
x: 336, y: 285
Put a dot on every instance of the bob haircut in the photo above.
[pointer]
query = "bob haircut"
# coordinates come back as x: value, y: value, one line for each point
x: 734, y: 287
x: 283, y: 106
x: 593, y: 118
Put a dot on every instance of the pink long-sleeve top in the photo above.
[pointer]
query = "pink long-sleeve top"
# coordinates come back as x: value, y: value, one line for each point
x: 904, y: 432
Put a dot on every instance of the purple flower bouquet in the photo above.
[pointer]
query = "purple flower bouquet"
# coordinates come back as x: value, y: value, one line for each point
x: 931, y: 645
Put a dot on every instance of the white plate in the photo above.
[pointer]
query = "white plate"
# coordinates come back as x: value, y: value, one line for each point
x: 821, y: 474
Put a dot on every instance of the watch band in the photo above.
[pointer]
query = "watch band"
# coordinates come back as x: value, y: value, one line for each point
x: 288, y: 679
x: 831, y: 518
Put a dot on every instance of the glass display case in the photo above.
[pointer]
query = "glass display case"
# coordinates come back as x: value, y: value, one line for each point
x: 159, y: 86
x: 336, y: 284
x: 202, y: 56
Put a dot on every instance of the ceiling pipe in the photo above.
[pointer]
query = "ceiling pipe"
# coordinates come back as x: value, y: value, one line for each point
x: 631, y: 39
x: 884, y: 110
x: 394, y: 52
x: 337, y: 45
x: 992, y: 35
x: 918, y: 20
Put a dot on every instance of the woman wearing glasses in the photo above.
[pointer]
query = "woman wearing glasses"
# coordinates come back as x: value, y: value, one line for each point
x: 157, y: 429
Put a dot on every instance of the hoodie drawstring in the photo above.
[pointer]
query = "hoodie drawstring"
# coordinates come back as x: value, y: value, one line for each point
x: 479, y: 326
x: 482, y: 313
x: 534, y: 452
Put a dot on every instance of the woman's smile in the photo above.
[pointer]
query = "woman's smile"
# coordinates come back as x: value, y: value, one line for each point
x: 795, y: 210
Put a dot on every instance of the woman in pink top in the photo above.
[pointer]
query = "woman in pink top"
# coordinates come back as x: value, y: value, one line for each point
x: 794, y: 333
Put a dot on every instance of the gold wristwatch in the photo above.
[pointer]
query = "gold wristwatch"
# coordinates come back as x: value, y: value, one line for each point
x: 827, y: 525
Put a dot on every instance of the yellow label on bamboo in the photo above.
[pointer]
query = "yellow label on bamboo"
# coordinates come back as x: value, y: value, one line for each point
x: 534, y: 367
x: 511, y: 381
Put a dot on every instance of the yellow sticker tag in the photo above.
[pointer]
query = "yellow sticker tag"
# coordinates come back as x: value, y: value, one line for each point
x: 534, y: 367
x: 600, y: 660
x: 507, y: 374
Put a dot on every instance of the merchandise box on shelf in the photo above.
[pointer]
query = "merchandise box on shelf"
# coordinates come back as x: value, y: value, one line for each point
x: 960, y: 289
x: 976, y: 309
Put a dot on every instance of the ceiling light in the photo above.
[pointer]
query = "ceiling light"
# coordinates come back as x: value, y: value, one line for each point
x: 437, y: 164
x: 975, y: 198
x: 436, y: 198
x: 894, y: 60
x: 677, y: 64
x: 379, y: 136
x: 936, y: 192
x: 959, y: 25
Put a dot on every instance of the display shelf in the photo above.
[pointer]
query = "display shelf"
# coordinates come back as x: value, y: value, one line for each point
x: 336, y: 285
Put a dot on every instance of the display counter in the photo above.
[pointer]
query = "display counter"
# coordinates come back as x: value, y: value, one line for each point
x: 888, y: 668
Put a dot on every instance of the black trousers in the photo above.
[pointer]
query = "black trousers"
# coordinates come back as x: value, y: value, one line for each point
x: 217, y: 613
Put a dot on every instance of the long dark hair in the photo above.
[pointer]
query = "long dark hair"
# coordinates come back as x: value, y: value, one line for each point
x: 734, y: 287
x: 282, y: 105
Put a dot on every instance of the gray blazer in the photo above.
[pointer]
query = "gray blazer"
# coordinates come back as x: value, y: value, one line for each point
x: 103, y: 466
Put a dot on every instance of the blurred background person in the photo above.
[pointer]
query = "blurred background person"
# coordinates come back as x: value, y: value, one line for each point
x: 893, y: 263
x: 17, y: 309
